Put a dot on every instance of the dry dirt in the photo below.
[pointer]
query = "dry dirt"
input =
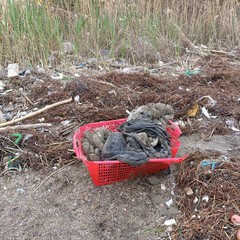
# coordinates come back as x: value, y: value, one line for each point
x: 54, y: 199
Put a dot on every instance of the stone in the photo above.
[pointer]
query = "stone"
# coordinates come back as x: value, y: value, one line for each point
x: 153, y: 180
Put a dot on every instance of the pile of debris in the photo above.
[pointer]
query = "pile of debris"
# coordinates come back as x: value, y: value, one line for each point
x: 208, y: 190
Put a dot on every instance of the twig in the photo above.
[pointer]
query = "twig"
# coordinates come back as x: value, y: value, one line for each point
x: 27, y: 98
x: 35, y: 113
x: 59, y: 170
x: 27, y: 126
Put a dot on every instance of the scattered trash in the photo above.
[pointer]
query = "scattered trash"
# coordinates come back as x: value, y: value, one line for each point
x: 212, y: 164
x: 82, y: 65
x: 205, y: 112
x: 235, y: 219
x: 195, y: 200
x: 57, y: 76
x: 188, y: 191
x: 25, y: 72
x: 231, y: 123
x: 205, y: 198
x: 76, y: 98
x: 193, y: 111
x: 163, y: 187
x: 169, y: 202
x: 13, y: 70
x: 211, y: 102
x: 192, y: 72
x: 65, y: 123
x: 18, y: 137
x: 2, y: 86
x: 20, y: 190
x: 170, y: 222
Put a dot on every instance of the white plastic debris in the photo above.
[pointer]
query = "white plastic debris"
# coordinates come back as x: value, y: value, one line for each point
x: 65, y: 123
x: 2, y: 86
x: 77, y: 98
x: 13, y: 70
x: 181, y: 123
x: 169, y: 202
x: 40, y: 70
x: 20, y: 190
x: 41, y: 119
x: 205, y: 198
x: 170, y: 222
x: 163, y: 187
x: 205, y: 112
x: 57, y: 76
x: 195, y: 200
x: 231, y: 124
x: 212, y: 102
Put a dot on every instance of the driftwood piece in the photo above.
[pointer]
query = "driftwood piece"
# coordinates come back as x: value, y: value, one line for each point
x: 36, y: 113
x: 26, y: 126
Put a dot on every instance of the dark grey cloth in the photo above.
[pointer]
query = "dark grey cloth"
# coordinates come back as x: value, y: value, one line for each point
x: 128, y: 147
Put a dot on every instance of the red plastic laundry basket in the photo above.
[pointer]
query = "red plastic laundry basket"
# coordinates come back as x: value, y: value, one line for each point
x: 106, y: 172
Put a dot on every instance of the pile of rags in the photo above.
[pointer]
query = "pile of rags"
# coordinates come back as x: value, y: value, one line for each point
x: 142, y: 137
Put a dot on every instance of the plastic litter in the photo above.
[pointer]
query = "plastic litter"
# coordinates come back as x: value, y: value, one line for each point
x: 213, y: 164
x: 13, y: 70
x: 169, y: 202
x: 170, y: 222
x: 193, y: 111
x: 205, y: 112
x: 235, y: 219
x: 192, y: 72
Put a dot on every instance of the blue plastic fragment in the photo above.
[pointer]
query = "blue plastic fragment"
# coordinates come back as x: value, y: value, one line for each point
x: 211, y: 163
x: 192, y: 72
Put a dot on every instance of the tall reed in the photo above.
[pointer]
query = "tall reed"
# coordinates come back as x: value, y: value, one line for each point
x: 137, y: 30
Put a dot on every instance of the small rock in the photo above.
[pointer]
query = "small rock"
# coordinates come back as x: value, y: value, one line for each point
x: 188, y: 191
x: 153, y: 180
x: 13, y: 70
x: 170, y: 222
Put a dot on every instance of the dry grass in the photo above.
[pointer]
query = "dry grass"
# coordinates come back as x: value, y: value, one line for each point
x: 133, y: 29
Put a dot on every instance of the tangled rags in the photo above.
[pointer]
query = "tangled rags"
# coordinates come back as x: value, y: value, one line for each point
x: 155, y: 111
x: 138, y: 140
x: 141, y: 137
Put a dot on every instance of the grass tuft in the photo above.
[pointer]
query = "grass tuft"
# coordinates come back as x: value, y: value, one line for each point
x: 31, y: 31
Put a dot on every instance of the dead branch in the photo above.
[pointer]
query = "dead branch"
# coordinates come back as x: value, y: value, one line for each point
x: 36, y: 113
x: 26, y: 126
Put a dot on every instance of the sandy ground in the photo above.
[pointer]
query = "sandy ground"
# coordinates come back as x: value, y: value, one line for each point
x: 69, y: 206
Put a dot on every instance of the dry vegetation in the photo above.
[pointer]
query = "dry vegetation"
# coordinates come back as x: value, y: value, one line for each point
x: 133, y: 29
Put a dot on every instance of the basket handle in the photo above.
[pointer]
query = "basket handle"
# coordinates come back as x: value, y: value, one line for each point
x: 76, y: 145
